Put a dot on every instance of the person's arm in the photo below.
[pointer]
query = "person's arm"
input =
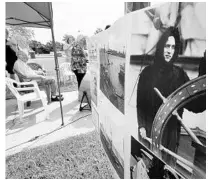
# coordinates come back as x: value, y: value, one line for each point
x: 11, y: 58
x: 35, y: 76
x: 66, y: 47
x: 40, y: 73
x: 198, y: 105
x: 22, y: 55
x: 23, y: 69
x: 202, y: 67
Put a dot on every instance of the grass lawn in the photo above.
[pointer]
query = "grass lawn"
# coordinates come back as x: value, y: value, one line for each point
x: 78, y: 157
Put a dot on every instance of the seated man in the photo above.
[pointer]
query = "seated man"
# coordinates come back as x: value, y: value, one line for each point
x: 16, y: 60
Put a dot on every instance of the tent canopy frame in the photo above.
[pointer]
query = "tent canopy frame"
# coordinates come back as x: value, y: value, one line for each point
x: 13, y: 19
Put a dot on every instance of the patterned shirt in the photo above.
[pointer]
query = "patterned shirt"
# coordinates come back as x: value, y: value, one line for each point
x: 78, y: 59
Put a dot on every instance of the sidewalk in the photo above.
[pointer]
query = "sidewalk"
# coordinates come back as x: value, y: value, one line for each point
x: 36, y: 131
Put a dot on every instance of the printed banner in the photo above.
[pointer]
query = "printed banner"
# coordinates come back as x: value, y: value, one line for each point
x: 152, y: 88
x: 167, y: 92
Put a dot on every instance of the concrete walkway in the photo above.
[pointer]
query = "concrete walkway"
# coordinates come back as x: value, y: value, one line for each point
x: 35, y: 130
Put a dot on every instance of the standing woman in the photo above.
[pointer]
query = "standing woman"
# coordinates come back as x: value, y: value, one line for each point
x: 78, y: 62
x: 67, y: 50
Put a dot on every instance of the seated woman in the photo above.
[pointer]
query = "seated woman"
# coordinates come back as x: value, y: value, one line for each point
x: 19, y: 65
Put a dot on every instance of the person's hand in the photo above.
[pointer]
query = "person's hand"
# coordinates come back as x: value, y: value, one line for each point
x: 143, y: 133
x: 40, y: 72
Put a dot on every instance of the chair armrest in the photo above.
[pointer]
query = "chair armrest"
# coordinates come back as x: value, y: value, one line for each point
x: 26, y: 89
x: 13, y: 81
x: 33, y: 86
x: 28, y: 83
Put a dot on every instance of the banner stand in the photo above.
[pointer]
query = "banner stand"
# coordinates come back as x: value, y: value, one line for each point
x: 88, y: 102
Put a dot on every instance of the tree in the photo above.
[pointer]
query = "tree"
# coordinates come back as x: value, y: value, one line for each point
x: 22, y: 31
x: 23, y: 35
x: 59, y: 46
x: 49, y: 46
x: 35, y: 45
x: 98, y: 30
x: 44, y: 49
x: 70, y: 37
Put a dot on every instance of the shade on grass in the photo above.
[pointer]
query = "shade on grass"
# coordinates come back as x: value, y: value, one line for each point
x: 74, y: 158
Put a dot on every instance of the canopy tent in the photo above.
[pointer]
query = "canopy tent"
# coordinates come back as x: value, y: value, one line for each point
x: 37, y: 15
x: 30, y: 14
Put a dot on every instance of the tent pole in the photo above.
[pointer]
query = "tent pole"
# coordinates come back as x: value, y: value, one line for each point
x: 56, y: 63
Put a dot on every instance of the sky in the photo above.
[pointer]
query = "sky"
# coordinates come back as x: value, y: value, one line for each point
x: 80, y: 17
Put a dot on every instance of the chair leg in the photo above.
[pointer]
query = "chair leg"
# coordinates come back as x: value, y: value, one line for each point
x: 21, y: 109
x: 48, y: 93
x: 44, y: 103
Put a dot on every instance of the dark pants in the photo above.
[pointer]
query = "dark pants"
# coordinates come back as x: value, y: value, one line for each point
x: 79, y: 76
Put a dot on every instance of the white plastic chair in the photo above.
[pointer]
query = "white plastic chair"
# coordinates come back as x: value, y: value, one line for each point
x: 66, y: 73
x: 31, y: 96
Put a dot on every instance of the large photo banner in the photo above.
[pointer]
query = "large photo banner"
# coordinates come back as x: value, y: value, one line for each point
x: 148, y: 87
x: 111, y: 45
x: 166, y: 91
x: 93, y: 54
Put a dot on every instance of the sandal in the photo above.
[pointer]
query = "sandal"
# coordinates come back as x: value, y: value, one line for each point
x: 58, y: 95
x: 56, y: 98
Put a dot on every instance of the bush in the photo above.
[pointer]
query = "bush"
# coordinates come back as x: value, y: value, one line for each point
x: 44, y: 50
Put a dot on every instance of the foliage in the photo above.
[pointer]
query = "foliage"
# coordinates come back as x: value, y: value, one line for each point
x: 35, y: 46
x: 40, y: 48
x: 44, y: 49
x: 22, y: 31
x: 59, y: 46
x: 98, y: 30
x: 78, y: 157
x: 49, y: 46
x: 23, y: 35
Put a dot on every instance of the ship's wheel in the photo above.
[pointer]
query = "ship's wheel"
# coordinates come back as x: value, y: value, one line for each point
x: 192, y: 90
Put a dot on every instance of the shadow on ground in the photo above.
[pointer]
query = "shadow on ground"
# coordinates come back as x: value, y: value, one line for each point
x: 56, y: 113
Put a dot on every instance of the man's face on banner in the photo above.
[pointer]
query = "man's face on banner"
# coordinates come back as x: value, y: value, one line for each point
x: 169, y: 48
